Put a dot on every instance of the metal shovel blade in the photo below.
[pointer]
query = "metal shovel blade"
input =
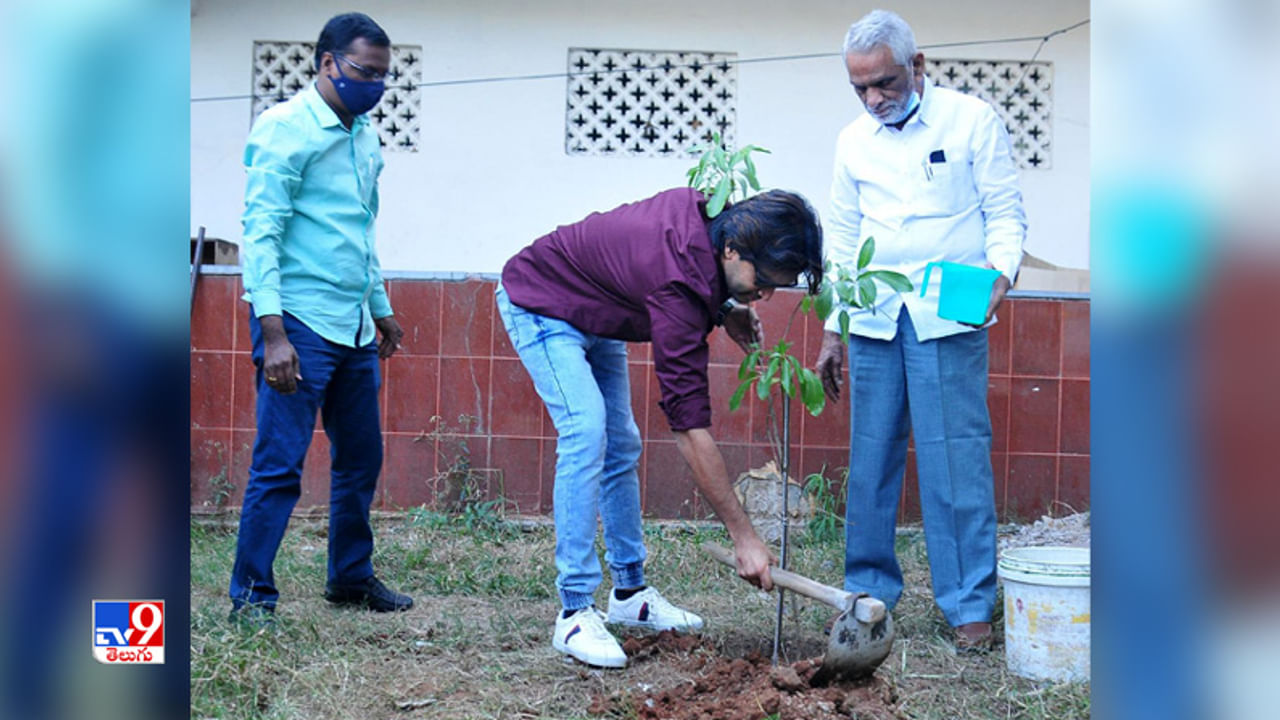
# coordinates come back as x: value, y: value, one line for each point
x: 862, y: 635
x: 856, y: 647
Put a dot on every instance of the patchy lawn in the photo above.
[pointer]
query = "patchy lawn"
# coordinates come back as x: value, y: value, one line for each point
x: 477, y: 642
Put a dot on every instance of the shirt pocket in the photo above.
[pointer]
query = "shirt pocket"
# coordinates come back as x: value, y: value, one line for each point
x: 946, y: 188
x: 370, y: 167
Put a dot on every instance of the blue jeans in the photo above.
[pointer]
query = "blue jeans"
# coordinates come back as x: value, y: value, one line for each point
x: 937, y: 390
x: 342, y: 384
x: 583, y: 380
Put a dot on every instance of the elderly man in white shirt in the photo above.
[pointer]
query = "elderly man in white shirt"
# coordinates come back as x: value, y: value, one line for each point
x: 928, y: 173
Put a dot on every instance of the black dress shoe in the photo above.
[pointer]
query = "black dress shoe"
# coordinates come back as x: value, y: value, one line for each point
x: 371, y: 594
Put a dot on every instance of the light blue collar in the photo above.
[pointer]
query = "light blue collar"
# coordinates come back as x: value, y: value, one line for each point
x: 325, y: 114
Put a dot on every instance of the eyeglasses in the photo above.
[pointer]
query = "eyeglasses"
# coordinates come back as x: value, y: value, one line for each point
x: 365, y: 72
x: 764, y: 282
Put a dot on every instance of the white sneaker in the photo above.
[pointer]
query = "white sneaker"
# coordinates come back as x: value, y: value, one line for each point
x: 648, y: 609
x: 583, y: 636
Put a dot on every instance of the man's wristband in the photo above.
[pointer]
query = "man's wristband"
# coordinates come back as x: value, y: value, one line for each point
x: 725, y: 308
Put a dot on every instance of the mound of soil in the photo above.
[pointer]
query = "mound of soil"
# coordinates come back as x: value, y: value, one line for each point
x: 1071, y: 531
x: 742, y: 688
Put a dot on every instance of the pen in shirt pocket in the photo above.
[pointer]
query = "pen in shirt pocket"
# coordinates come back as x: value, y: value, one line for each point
x: 937, y: 157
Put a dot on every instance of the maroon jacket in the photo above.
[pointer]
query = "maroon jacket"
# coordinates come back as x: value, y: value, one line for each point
x: 645, y: 271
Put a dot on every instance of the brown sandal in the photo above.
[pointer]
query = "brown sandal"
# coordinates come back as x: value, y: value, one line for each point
x: 974, y: 638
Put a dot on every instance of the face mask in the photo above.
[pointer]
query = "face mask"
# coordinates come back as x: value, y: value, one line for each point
x: 359, y: 96
x: 912, y: 103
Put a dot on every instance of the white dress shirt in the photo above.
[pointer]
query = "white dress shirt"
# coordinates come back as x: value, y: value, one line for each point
x: 942, y: 188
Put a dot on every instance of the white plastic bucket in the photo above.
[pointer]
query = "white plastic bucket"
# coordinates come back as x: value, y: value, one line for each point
x: 1046, y: 612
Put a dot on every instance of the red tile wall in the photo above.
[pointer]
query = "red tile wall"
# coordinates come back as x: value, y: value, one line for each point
x: 456, y: 393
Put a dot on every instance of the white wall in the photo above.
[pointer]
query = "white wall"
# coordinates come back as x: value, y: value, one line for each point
x: 492, y: 173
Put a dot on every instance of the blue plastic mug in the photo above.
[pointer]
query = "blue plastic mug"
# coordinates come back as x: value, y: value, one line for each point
x: 965, y: 292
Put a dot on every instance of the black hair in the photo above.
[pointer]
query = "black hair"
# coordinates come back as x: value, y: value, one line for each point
x: 342, y: 30
x: 777, y: 231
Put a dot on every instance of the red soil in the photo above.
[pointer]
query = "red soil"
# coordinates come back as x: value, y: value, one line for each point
x: 742, y: 688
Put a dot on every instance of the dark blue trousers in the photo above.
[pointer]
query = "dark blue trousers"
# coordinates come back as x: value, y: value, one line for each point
x: 342, y: 384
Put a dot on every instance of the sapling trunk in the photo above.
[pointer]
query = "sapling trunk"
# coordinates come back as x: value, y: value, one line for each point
x: 786, y: 517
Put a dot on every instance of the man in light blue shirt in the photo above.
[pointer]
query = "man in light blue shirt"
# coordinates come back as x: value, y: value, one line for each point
x: 928, y: 173
x: 311, y: 273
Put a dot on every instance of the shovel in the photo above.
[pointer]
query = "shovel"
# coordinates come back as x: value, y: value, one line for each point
x: 862, y: 635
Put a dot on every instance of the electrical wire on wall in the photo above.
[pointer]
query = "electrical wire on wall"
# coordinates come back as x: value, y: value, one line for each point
x: 1043, y: 39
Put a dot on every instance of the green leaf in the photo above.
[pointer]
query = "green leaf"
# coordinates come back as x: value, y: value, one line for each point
x: 702, y: 161
x: 735, y: 401
x: 803, y: 382
x: 811, y: 392
x: 895, y: 280
x: 797, y: 372
x: 848, y: 293
x: 825, y: 301
x: 748, y: 364
x: 868, y: 251
x: 772, y: 368
x: 763, y: 384
x: 751, y: 171
x: 786, y: 379
x: 716, y: 204
x: 866, y: 292
x: 844, y: 326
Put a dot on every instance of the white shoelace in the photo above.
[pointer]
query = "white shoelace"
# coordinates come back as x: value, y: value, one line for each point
x: 591, y: 621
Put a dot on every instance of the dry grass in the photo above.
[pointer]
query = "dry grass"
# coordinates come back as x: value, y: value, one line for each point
x: 477, y: 642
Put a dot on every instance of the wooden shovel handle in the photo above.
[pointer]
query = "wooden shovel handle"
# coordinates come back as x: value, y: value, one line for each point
x: 838, y: 599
